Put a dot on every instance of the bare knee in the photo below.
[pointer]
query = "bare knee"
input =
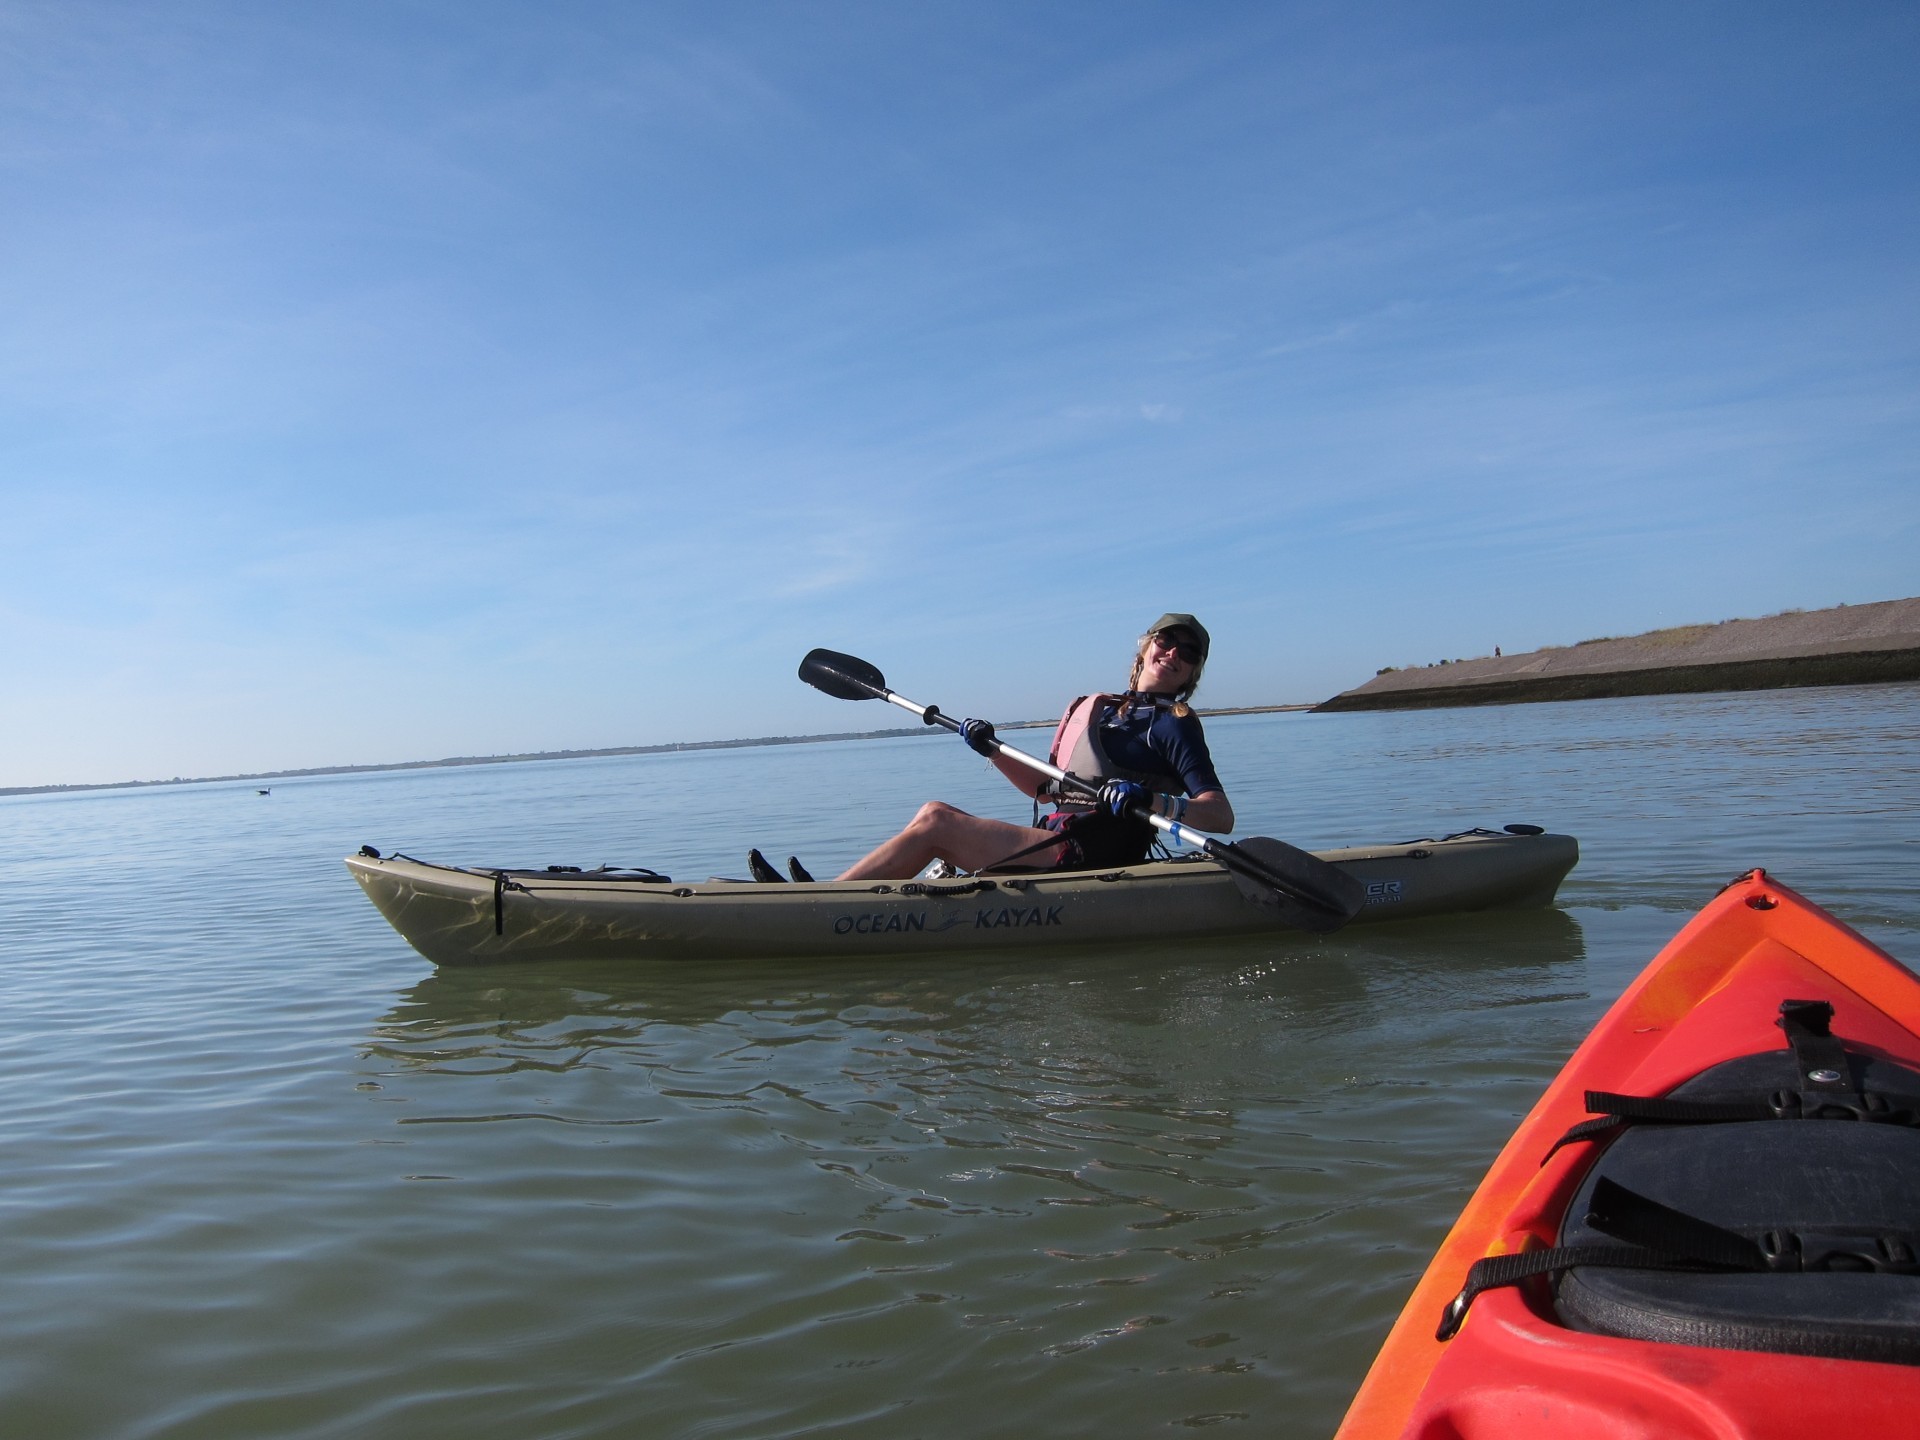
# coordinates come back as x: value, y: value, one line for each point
x: 933, y: 817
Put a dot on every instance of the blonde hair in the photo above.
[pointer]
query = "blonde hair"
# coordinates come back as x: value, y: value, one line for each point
x: 1180, y: 696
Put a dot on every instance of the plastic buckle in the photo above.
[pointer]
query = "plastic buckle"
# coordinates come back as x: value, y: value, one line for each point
x: 1836, y: 1251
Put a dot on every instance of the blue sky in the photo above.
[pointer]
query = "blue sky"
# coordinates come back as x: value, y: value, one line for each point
x: 384, y: 381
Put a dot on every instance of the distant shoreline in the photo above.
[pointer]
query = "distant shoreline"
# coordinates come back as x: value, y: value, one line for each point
x: 462, y: 760
x: 1845, y: 645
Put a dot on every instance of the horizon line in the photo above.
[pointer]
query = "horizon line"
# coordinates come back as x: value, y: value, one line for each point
x: 454, y: 761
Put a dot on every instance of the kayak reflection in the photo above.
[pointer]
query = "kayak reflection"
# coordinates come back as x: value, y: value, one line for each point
x: 560, y: 1016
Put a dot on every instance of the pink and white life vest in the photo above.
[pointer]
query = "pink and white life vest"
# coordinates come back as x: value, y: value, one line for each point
x: 1076, y: 747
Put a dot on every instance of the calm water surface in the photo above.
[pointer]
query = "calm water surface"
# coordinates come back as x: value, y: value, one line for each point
x: 269, y: 1174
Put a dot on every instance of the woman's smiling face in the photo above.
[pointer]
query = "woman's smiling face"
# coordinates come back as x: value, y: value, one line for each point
x: 1164, y: 669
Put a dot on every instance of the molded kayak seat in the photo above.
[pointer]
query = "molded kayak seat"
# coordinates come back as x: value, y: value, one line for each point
x: 1840, y: 1198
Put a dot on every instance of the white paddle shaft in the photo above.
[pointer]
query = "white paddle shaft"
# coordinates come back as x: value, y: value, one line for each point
x: 1172, y: 828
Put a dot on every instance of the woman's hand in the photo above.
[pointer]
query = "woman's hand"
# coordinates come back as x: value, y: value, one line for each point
x: 1120, y: 798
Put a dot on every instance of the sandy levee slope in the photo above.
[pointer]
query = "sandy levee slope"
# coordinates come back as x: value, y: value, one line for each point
x: 1847, y: 645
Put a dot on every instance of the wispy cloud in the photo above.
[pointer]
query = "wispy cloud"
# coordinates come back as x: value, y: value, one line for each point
x: 466, y: 355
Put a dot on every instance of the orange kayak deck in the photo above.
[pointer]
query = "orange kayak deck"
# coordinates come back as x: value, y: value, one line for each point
x: 1513, y: 1369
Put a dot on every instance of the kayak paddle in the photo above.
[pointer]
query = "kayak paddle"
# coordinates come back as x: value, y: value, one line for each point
x: 1298, y: 888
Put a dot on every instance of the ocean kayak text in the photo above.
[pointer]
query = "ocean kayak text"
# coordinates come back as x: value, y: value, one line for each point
x: 1003, y: 918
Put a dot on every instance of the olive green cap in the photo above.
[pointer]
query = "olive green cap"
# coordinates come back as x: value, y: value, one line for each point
x: 1178, y: 621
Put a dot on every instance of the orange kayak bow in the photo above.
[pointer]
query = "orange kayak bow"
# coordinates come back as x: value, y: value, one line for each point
x: 1707, y: 1226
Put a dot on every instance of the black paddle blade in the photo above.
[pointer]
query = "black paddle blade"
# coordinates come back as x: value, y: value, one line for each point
x: 1297, y: 888
x: 845, y: 677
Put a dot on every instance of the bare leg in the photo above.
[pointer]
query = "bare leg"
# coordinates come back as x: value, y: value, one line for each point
x: 940, y: 832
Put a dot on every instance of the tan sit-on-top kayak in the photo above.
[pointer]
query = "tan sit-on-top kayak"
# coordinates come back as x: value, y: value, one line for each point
x: 461, y: 915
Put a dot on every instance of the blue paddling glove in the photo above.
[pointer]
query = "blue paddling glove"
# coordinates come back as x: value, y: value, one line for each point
x: 979, y: 735
x: 1119, y: 797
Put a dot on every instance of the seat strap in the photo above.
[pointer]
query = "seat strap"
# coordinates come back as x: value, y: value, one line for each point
x: 1053, y: 838
x: 1827, y: 1090
x: 1617, y: 1112
x: 1658, y: 1237
x: 1817, y: 1051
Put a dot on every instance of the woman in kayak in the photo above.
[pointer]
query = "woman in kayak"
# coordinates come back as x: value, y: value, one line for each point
x: 1143, y: 745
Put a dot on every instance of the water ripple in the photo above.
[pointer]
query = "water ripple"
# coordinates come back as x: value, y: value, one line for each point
x: 270, y: 1174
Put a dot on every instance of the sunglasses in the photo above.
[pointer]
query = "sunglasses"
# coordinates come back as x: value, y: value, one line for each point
x: 1185, y: 649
